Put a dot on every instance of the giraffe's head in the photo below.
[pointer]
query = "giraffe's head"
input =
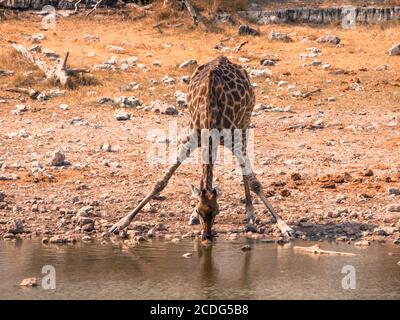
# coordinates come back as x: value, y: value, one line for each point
x: 206, y: 209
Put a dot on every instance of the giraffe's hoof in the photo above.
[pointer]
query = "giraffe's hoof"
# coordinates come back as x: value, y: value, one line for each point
x: 250, y: 227
x: 121, y: 224
x: 286, y: 231
x: 193, y: 221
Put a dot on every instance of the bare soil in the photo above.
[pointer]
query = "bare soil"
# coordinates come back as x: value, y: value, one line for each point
x: 327, y: 165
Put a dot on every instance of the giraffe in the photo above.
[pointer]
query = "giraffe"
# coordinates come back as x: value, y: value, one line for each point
x: 220, y: 98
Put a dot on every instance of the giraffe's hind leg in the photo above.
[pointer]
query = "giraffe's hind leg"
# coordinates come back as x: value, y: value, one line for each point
x: 250, y: 216
x: 256, y: 187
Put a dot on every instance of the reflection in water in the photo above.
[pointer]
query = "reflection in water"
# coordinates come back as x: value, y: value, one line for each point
x: 157, y: 270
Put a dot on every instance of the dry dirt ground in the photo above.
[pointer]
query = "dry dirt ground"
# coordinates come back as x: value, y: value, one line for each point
x: 326, y: 159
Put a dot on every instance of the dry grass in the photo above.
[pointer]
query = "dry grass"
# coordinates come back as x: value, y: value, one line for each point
x: 178, y: 44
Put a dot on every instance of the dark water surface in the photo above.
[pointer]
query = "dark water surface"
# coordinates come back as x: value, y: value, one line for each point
x: 157, y: 270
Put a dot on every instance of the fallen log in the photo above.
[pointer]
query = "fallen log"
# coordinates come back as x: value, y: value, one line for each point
x: 59, y: 72
x: 31, y: 92
x: 316, y: 249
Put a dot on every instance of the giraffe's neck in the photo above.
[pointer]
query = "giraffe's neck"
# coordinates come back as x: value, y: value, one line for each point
x: 207, y: 177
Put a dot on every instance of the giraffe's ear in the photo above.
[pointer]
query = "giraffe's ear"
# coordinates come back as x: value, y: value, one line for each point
x: 217, y: 190
x: 195, y: 191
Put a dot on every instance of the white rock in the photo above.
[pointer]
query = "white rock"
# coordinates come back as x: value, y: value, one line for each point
x: 64, y: 106
x: 58, y: 159
x: 395, y: 50
x: 395, y: 191
x: 188, y: 63
x: 122, y: 115
x: 261, y: 73
x: 92, y: 37
x: 168, y: 80
x: 115, y: 49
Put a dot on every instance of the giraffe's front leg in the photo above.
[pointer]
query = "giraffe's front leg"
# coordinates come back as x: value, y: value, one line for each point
x: 256, y: 187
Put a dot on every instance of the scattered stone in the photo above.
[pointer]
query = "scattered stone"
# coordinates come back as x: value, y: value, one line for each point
x: 185, y: 79
x: 280, y: 36
x: 29, y: 282
x: 356, y: 86
x: 245, y: 30
x: 57, y: 239
x: 91, y: 37
x: 133, y: 86
x: 187, y: 255
x: 191, y: 62
x: 50, y: 53
x: 15, y: 227
x: 329, y: 39
x: 122, y: 115
x: 368, y: 173
x: 163, y: 108
x: 295, y: 176
x: 314, y: 50
x: 9, y: 177
x: 168, y: 80
x: 58, y: 159
x: 326, y: 66
x: 64, y: 106
x: 87, y: 239
x: 115, y: 49
x: 6, y: 73
x: 285, y: 193
x: 181, y: 99
x: 105, y: 100
x: 393, y: 208
x: 340, y: 198
x: 267, y: 63
x: 36, y: 48
x: 89, y: 227
x: 2, y: 196
x: 260, y: 73
x: 395, y: 50
x: 106, y: 147
x: 85, y: 220
x: 246, y: 247
x: 331, y: 99
x: 37, y: 37
x: 131, y: 102
x: 9, y: 236
x: 21, y: 108
x: 391, y: 190
x: 362, y: 243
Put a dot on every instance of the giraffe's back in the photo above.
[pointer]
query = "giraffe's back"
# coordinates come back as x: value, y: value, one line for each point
x: 220, y: 96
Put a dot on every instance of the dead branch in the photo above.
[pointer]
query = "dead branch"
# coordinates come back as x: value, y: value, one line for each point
x: 95, y: 7
x: 140, y: 8
x: 239, y: 47
x: 76, y: 5
x: 316, y: 249
x: 59, y: 72
x: 307, y: 94
x: 192, y: 12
